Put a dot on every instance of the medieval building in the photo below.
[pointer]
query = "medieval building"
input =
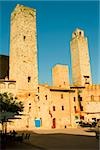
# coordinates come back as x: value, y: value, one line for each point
x: 60, y: 105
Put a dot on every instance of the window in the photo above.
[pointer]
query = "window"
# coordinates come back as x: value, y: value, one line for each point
x: 80, y: 98
x: 86, y: 79
x: 29, y: 79
x: 64, y: 83
x: 82, y: 117
x: 74, y: 99
x: 61, y: 96
x: 62, y: 107
x: 29, y: 108
x: 79, y: 33
x: 54, y: 108
x: 92, y: 98
x: 46, y: 97
x: 16, y: 97
x: 74, y: 33
x: 24, y: 37
x: 38, y: 90
x: 81, y: 108
x: 75, y: 109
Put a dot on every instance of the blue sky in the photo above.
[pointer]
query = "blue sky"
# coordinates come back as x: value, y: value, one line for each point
x: 56, y: 20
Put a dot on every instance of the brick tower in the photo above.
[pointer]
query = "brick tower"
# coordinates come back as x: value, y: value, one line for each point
x: 81, y: 73
x: 23, y: 48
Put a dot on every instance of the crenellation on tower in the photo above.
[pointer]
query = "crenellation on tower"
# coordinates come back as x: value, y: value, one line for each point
x: 77, y: 34
x: 21, y: 8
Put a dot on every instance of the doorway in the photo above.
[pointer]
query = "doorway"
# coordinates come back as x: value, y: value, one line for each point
x: 54, y: 123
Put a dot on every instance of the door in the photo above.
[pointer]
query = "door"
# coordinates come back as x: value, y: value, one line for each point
x: 54, y: 123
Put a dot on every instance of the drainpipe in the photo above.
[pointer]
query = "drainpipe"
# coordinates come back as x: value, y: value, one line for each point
x: 70, y: 109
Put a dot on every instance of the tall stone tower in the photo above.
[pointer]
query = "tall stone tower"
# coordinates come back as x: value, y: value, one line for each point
x: 60, y: 76
x: 23, y: 48
x: 81, y: 73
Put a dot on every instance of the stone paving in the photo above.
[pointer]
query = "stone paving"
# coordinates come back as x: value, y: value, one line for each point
x: 74, y: 131
x: 66, y: 139
x: 55, y: 139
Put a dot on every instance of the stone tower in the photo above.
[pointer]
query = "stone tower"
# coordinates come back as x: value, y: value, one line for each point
x: 23, y: 48
x: 81, y: 73
x: 60, y: 75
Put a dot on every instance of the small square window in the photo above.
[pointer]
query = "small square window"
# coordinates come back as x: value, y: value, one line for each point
x: 62, y: 107
x: 38, y: 89
x: 81, y: 108
x: 24, y: 37
x: 61, y: 96
x: 46, y: 97
x: 29, y: 79
x: 64, y: 83
x: 74, y: 99
x: 29, y: 109
x: 54, y: 108
x: 75, y: 109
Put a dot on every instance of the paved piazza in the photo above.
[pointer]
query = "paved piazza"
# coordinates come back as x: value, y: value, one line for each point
x: 69, y: 139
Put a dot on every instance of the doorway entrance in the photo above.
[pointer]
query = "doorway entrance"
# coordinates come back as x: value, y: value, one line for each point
x: 54, y: 123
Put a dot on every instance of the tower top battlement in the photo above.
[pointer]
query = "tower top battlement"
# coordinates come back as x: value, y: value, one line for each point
x: 78, y: 33
x: 20, y: 8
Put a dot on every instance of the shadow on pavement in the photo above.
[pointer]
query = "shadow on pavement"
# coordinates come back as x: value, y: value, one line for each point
x: 54, y: 141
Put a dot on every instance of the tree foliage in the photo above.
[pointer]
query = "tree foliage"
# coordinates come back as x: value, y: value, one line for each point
x: 10, y: 107
x: 9, y: 103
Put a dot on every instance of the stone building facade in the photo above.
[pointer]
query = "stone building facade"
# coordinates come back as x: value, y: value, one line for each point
x: 46, y: 107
